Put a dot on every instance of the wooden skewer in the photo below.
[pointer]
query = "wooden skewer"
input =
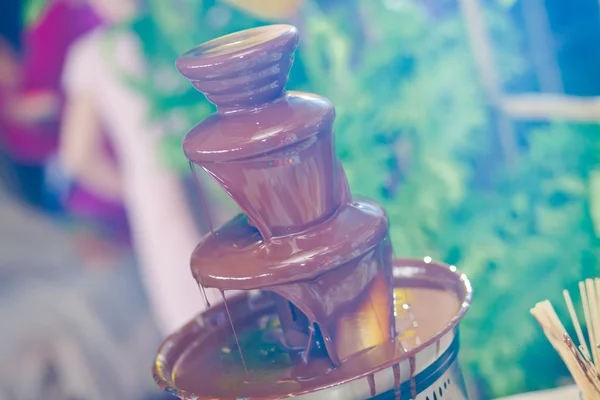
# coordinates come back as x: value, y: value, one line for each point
x: 588, y: 319
x: 597, y: 317
x: 541, y: 314
x: 582, y: 370
x: 587, y: 372
x: 593, y: 305
x: 576, y: 324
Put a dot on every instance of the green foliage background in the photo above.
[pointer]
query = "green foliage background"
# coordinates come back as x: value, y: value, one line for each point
x: 414, y: 132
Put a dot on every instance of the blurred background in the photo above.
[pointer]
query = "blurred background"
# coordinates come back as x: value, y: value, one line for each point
x: 474, y: 122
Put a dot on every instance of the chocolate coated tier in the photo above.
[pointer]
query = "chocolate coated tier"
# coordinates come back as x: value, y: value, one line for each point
x: 326, y: 256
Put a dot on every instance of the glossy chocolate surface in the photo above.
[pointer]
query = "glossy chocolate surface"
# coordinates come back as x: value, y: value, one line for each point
x: 324, y: 258
x: 202, y: 360
x: 301, y: 236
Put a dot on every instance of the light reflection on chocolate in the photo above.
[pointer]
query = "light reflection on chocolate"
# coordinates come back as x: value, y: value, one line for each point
x: 304, y: 237
x: 325, y: 258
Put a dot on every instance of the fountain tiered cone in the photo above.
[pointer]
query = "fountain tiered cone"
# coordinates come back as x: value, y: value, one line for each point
x: 326, y: 305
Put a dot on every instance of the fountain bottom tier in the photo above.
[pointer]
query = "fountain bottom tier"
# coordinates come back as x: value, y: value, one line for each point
x: 202, y: 360
x: 332, y: 280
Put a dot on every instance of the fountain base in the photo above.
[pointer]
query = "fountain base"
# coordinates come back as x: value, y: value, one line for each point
x: 201, y: 360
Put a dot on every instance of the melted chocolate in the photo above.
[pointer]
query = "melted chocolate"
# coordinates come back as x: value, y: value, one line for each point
x: 413, y: 367
x: 372, y: 387
x: 210, y: 367
x: 397, y: 381
x: 301, y: 236
x: 324, y: 257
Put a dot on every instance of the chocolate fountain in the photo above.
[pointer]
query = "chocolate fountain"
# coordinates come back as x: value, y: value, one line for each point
x: 326, y: 313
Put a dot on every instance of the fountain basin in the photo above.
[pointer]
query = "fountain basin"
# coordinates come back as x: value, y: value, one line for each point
x: 430, y: 300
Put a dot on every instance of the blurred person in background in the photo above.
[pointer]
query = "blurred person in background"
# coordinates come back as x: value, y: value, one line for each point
x: 30, y: 125
x: 10, y: 45
x: 99, y: 94
x: 30, y: 103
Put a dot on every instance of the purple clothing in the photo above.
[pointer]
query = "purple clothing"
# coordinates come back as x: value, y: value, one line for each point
x: 46, y: 44
x: 111, y: 217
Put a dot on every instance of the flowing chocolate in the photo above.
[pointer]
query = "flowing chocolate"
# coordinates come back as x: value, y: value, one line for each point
x: 207, y: 363
x: 325, y: 255
x: 329, y: 302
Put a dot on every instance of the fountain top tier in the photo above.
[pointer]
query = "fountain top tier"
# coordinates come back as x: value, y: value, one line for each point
x: 270, y: 150
x: 244, y: 69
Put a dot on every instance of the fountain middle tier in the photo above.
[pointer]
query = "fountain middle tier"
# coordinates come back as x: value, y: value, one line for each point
x: 335, y: 277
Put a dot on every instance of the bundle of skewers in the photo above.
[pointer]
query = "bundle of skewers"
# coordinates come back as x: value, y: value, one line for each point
x: 582, y: 360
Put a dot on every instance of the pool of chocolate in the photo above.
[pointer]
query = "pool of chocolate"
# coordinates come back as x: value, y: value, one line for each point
x: 203, y: 360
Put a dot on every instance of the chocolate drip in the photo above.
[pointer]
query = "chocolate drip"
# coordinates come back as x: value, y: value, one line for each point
x: 202, y: 199
x: 308, y: 346
x: 396, y: 370
x: 237, y: 341
x: 204, y: 296
x: 371, y: 380
x: 411, y: 378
